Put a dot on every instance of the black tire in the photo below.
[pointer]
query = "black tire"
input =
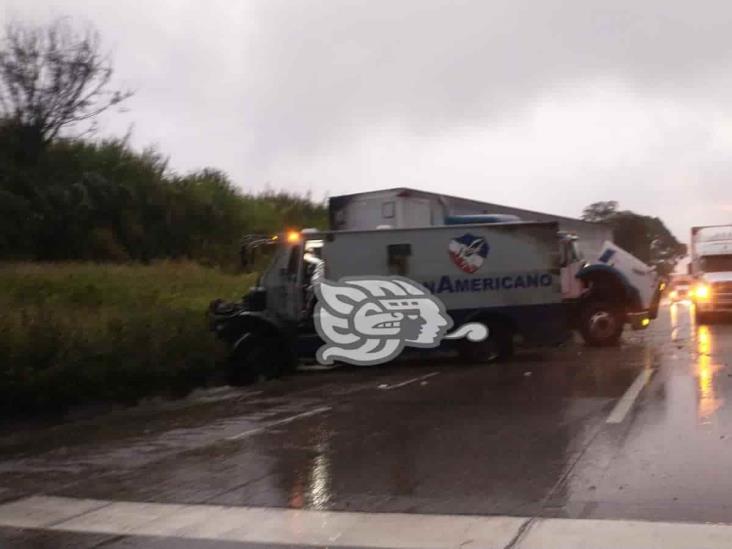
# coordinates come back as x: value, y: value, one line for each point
x: 497, y: 346
x: 601, y: 324
x: 257, y: 358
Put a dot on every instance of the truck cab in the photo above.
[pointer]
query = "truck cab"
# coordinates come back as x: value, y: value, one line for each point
x: 271, y: 327
x: 711, y: 266
x: 618, y: 288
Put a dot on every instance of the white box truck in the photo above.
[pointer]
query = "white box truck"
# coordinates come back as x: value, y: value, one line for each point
x: 604, y: 286
x: 506, y: 276
x: 711, y: 266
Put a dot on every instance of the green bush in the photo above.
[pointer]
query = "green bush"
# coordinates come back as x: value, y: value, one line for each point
x: 75, y: 333
x: 101, y: 200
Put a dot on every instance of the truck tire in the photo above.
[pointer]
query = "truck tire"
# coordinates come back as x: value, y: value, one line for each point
x: 496, y: 347
x: 601, y: 324
x: 258, y: 358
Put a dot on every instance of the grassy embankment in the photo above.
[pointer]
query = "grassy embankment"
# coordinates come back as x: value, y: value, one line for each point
x: 73, y: 333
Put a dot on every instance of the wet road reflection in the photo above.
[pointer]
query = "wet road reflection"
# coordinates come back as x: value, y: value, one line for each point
x: 319, y: 487
x: 705, y: 372
x: 668, y: 459
x: 470, y: 440
x: 528, y: 437
x: 674, y: 312
x: 310, y: 488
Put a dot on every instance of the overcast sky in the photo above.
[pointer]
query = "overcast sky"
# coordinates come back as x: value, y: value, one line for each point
x: 546, y: 105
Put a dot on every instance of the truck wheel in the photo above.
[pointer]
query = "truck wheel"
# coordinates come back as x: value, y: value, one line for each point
x: 498, y: 345
x: 601, y: 324
x: 255, y: 359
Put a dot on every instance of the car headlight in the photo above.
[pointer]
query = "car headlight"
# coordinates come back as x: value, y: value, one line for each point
x: 702, y: 291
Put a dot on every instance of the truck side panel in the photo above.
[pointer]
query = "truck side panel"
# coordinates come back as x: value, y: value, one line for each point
x: 510, y: 271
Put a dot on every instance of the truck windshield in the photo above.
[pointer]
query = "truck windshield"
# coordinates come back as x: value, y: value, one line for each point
x: 716, y: 263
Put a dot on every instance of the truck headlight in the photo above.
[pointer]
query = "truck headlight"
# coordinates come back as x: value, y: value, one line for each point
x: 702, y: 292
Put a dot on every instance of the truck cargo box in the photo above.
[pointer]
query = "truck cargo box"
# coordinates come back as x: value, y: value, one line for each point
x: 506, y: 270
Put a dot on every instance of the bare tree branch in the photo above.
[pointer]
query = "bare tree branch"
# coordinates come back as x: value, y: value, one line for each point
x: 53, y: 77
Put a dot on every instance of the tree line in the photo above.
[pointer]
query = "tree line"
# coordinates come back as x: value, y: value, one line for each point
x: 646, y: 237
x: 103, y: 201
x: 75, y: 197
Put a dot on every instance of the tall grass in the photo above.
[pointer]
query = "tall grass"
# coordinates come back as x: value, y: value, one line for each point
x: 77, y: 332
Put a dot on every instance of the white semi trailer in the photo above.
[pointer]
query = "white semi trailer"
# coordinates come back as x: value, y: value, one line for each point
x: 711, y: 265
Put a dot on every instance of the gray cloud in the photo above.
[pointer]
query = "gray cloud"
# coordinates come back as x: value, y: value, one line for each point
x: 325, y: 66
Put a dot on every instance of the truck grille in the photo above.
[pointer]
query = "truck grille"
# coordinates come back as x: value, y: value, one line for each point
x: 722, y: 293
x: 722, y: 287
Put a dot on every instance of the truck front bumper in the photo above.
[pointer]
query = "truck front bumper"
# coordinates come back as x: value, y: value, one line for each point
x: 642, y: 319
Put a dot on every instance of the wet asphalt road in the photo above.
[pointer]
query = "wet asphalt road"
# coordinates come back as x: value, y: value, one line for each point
x: 528, y: 438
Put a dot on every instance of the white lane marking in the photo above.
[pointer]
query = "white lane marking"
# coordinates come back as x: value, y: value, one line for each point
x: 385, y: 387
x: 45, y: 511
x: 626, y: 402
x: 261, y: 525
x: 279, y: 422
x: 376, y: 530
x: 625, y: 534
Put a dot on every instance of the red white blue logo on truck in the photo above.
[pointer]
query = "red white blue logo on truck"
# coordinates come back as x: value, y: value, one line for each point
x: 468, y: 252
